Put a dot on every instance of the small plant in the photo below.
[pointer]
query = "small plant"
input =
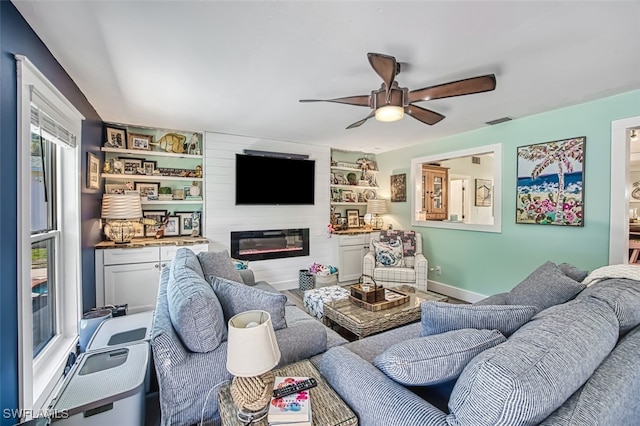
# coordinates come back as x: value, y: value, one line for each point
x: 164, y: 190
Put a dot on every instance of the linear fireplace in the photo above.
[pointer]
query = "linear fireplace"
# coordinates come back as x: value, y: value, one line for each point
x: 271, y: 244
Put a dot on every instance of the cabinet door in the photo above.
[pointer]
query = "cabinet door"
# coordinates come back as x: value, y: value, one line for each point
x: 135, y: 284
x: 350, y: 264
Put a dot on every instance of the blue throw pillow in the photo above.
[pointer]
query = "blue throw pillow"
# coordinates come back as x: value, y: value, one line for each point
x: 194, y: 309
x: 388, y: 254
x: 546, y: 286
x: 235, y: 298
x: 440, y: 317
x: 218, y: 264
x: 435, y: 359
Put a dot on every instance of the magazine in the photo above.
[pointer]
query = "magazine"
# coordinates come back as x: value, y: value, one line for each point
x: 294, y: 409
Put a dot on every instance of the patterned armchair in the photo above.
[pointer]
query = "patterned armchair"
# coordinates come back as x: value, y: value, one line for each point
x: 399, y: 259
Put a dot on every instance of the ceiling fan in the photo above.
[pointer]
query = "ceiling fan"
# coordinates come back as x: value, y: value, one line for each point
x: 391, y: 102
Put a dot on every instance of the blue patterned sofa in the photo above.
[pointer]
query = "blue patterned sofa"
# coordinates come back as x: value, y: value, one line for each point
x: 196, y: 297
x: 549, y: 352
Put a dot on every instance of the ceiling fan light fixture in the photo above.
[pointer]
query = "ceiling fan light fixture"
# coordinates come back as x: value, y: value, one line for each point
x: 389, y: 113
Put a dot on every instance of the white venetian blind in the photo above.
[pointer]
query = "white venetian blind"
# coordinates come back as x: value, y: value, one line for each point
x: 49, y: 122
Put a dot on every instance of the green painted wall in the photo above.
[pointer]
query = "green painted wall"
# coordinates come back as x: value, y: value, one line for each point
x: 489, y: 263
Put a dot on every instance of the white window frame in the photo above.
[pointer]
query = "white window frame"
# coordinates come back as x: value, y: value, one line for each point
x: 416, y: 187
x: 39, y: 376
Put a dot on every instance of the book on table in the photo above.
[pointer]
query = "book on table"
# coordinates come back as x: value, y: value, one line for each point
x: 290, y: 410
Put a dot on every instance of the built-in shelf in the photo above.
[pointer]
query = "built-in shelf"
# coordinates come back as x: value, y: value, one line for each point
x: 147, y: 177
x: 146, y: 153
x: 353, y: 186
x: 346, y: 203
x: 352, y: 169
x: 143, y: 202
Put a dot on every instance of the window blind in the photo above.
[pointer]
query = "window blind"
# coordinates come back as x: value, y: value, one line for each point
x: 49, y: 122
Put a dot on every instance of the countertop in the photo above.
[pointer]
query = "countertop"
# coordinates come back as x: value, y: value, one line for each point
x: 152, y: 242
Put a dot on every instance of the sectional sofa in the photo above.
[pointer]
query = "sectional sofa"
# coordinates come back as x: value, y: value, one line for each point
x: 551, y: 351
x: 197, y: 296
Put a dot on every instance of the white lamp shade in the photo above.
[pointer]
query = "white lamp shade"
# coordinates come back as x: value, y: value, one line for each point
x: 252, y: 348
x: 377, y: 206
x: 389, y: 113
x: 116, y: 206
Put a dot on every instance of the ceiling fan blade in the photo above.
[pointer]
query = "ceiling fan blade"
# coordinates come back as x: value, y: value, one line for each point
x: 467, y: 86
x: 361, y: 100
x: 385, y: 66
x: 361, y: 122
x: 425, y: 115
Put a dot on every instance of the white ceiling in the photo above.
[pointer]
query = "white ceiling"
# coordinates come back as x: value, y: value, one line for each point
x: 241, y: 67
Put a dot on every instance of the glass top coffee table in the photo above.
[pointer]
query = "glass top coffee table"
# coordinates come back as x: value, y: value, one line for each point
x: 362, y: 322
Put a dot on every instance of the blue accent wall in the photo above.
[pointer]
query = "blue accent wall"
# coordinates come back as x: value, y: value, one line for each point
x: 16, y: 37
x: 489, y: 263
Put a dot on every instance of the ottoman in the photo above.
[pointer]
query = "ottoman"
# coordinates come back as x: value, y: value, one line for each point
x: 314, y: 299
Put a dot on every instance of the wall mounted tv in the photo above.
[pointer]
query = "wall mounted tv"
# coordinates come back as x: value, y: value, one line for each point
x: 266, y: 180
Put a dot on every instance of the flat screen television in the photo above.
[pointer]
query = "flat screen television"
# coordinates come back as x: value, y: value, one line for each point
x: 264, y: 180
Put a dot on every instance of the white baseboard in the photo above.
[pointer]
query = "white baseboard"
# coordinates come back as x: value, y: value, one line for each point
x: 447, y: 290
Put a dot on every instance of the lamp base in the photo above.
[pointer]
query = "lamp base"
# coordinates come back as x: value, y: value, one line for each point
x: 248, y: 416
x: 377, y: 223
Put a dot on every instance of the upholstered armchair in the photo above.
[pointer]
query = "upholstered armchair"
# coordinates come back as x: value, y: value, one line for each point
x: 399, y: 259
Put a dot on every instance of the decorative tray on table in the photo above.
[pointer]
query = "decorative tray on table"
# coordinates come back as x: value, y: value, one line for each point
x: 376, y: 298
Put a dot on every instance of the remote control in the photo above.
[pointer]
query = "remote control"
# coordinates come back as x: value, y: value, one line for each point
x: 296, y: 387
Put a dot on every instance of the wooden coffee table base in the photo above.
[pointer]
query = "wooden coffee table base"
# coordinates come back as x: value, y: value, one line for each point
x: 363, y: 322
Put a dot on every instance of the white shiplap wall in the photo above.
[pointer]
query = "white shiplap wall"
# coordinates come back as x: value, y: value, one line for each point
x: 223, y: 216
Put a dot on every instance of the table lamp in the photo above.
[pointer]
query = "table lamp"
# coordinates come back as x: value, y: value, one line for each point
x: 119, y: 210
x: 377, y: 207
x: 252, y: 351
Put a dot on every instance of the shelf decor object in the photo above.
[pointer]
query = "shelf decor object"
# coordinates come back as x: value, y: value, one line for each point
x: 376, y: 207
x: 121, y: 213
x: 252, y: 351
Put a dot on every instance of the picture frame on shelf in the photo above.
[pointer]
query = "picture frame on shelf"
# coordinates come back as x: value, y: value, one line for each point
x: 172, y: 226
x: 348, y: 196
x: 117, y: 166
x: 194, y: 145
x: 139, y: 141
x: 93, y: 171
x: 149, y: 167
x: 138, y: 230
x: 147, y: 189
x: 186, y: 222
x: 178, y: 194
x: 130, y: 165
x: 115, y: 138
x: 353, y: 218
x: 187, y: 191
x: 115, y: 188
x: 158, y: 216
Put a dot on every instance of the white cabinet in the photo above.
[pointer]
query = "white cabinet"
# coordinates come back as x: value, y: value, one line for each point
x: 131, y: 275
x: 351, y: 250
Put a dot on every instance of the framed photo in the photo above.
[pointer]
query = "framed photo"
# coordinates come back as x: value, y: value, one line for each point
x: 93, y: 171
x: 348, y: 196
x: 399, y: 188
x: 186, y: 191
x: 116, y: 138
x: 172, y: 226
x: 178, y: 194
x: 137, y: 141
x: 147, y: 189
x: 138, y: 230
x: 149, y: 167
x: 189, y: 223
x: 194, y: 145
x: 115, y: 188
x: 130, y: 166
x: 484, y: 192
x: 353, y: 218
x: 550, y: 187
x: 158, y: 216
